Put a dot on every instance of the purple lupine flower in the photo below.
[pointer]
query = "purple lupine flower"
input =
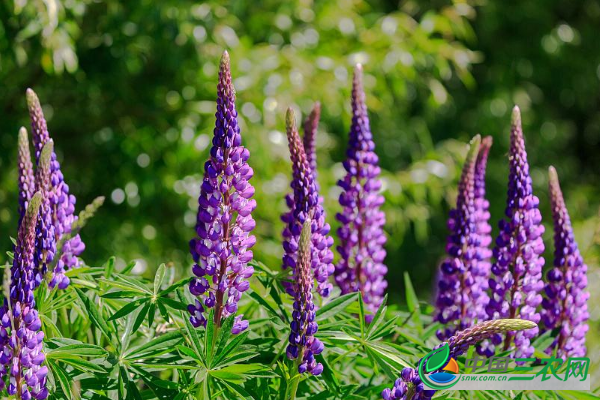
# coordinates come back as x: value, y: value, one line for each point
x: 306, y: 203
x: 565, y: 306
x: 362, y: 239
x: 409, y: 386
x: 459, y: 289
x: 516, y: 282
x: 303, y: 346
x: 483, y: 227
x: 62, y: 205
x: 45, y: 229
x: 21, y: 339
x: 309, y: 139
x: 221, y: 249
x: 26, y: 180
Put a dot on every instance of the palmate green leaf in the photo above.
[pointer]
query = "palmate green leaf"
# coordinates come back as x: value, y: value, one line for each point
x: 61, y: 378
x: 174, y: 304
x: 69, y: 347
x: 94, y: 314
x: 378, y: 318
x: 336, y: 306
x: 412, y: 302
x: 121, y: 294
x: 158, y: 346
x: 268, y: 307
x: 132, y: 392
x: 128, y: 309
x: 80, y: 364
x: 230, y: 348
x: 239, y: 390
x: 159, y: 278
x: 175, y: 286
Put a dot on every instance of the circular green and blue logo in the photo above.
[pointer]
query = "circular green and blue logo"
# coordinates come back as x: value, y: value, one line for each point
x: 438, y: 370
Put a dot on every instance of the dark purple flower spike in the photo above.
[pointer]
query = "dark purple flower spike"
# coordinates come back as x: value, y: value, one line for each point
x: 516, y: 280
x: 221, y: 249
x: 21, y: 339
x: 362, y: 239
x: 565, y: 305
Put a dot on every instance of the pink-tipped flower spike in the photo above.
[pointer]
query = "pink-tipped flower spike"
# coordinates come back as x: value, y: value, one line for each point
x: 62, y: 203
x: 459, y: 289
x: 26, y: 180
x: 306, y: 203
x: 221, y: 249
x: 309, y: 139
x: 516, y: 280
x: 362, y: 239
x: 565, y: 305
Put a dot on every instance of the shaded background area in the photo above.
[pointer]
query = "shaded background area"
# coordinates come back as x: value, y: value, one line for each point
x: 129, y: 94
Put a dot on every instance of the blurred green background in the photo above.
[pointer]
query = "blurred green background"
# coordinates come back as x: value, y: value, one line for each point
x: 129, y: 90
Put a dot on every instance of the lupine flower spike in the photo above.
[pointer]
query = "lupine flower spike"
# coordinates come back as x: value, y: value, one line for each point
x: 565, y: 306
x: 306, y: 203
x: 62, y: 206
x: 45, y: 229
x: 303, y: 345
x: 309, y: 139
x: 483, y: 228
x: 362, y: 239
x: 516, y: 282
x: 459, y: 288
x: 409, y: 386
x: 26, y: 180
x: 221, y: 249
x: 21, y: 340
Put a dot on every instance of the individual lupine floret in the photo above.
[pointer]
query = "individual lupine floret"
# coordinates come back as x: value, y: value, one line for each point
x: 516, y: 282
x: 62, y: 204
x: 221, y: 249
x: 362, y: 239
x: 459, y: 289
x: 303, y: 346
x: 306, y: 204
x: 410, y: 387
x: 26, y: 179
x: 21, y: 340
x: 565, y: 306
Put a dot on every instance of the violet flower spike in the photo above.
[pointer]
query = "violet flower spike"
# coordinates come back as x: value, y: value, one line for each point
x: 303, y: 346
x: 459, y: 289
x: 565, y: 305
x: 45, y: 229
x: 516, y: 280
x: 62, y: 203
x: 306, y: 203
x: 26, y: 180
x: 21, y: 339
x: 362, y: 239
x: 221, y: 249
